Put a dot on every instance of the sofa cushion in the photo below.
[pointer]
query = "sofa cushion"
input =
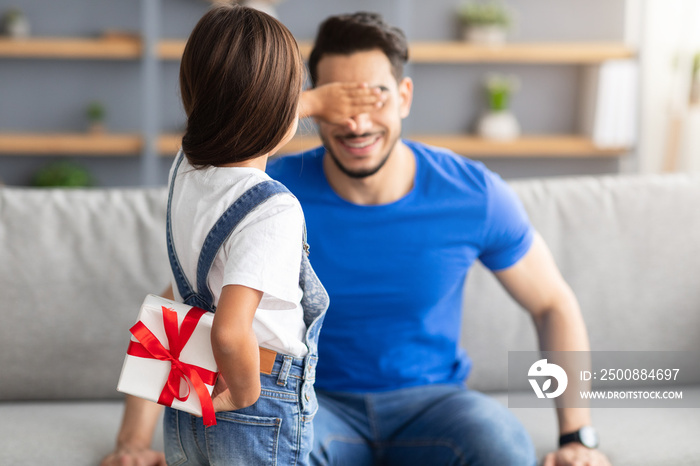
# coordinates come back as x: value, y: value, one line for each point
x: 80, y: 434
x: 75, y: 267
x: 61, y: 433
x: 628, y: 436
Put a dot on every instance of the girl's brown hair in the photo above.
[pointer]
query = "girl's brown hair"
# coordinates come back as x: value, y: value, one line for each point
x: 241, y: 77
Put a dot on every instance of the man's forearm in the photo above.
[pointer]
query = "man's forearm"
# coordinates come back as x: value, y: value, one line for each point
x: 537, y: 285
x: 140, y: 416
x: 138, y: 423
x: 563, y: 329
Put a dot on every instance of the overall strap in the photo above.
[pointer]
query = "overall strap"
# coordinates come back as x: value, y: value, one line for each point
x: 216, y: 237
x: 223, y: 228
x: 183, y: 285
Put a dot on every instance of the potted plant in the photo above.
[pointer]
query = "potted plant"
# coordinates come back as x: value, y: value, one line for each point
x: 15, y: 24
x: 95, y: 114
x: 499, y: 123
x: 63, y: 174
x: 484, y: 23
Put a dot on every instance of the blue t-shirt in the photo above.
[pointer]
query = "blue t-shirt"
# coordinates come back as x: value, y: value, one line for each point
x: 395, y: 273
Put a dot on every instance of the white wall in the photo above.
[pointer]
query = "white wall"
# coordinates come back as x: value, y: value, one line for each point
x: 669, y: 128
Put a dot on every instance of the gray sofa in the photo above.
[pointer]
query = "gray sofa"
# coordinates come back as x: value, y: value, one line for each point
x: 75, y: 265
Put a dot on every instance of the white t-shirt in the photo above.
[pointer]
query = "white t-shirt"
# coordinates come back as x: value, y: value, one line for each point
x: 263, y: 252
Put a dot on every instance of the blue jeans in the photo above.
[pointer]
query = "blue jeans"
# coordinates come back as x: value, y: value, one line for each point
x: 276, y: 430
x: 428, y: 425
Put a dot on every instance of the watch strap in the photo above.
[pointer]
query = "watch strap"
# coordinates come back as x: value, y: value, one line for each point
x: 586, y: 436
x: 569, y: 438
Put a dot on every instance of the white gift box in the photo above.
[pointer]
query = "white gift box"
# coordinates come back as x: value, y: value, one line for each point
x: 146, y: 378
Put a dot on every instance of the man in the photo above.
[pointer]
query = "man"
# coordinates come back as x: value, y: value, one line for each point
x: 394, y: 227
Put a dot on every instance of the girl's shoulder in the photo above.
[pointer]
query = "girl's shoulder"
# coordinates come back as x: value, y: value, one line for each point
x: 281, y: 210
x: 204, y: 195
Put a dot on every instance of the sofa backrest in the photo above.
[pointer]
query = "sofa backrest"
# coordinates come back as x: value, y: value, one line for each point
x: 75, y: 266
x: 629, y: 246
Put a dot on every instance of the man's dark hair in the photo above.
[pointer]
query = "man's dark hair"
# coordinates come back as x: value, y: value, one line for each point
x: 359, y: 32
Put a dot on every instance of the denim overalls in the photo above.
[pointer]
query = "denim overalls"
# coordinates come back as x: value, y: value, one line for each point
x: 277, y: 429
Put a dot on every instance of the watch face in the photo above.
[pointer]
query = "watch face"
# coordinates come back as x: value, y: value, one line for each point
x: 588, y: 436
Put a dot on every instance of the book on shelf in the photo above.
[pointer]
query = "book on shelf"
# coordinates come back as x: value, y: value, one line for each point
x: 609, y: 103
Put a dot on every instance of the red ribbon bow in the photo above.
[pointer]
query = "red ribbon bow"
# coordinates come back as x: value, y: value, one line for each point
x: 149, y: 347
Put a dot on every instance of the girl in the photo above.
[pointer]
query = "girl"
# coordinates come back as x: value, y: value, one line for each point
x: 240, y: 76
x: 238, y: 239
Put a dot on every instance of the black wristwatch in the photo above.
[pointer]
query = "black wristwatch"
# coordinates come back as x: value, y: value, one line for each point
x: 586, y: 436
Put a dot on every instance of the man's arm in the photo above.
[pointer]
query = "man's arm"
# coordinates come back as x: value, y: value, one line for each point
x: 135, y: 435
x: 136, y: 431
x: 537, y: 285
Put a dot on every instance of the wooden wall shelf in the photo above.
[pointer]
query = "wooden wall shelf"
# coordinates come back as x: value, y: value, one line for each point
x: 462, y: 52
x: 70, y: 144
x: 559, y: 146
x: 563, y: 146
x: 107, y: 144
x: 169, y: 144
x: 125, y: 47
x: 171, y: 49
x: 122, y: 48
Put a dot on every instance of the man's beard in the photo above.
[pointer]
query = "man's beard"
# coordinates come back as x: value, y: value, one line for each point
x: 357, y: 174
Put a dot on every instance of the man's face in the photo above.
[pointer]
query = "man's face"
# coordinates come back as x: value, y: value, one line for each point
x: 362, y: 152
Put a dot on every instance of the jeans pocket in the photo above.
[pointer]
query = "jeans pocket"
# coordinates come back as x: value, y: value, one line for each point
x: 243, y: 439
x: 174, y: 452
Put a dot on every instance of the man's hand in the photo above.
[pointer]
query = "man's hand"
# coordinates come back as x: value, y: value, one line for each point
x: 135, y: 435
x: 134, y: 457
x: 337, y: 103
x: 576, y: 454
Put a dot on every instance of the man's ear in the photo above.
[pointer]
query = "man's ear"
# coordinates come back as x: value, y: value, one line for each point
x: 405, y: 97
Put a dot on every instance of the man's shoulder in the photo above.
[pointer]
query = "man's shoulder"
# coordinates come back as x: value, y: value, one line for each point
x: 451, y: 167
x: 289, y: 168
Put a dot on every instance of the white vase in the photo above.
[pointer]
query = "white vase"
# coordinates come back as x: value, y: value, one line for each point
x: 499, y: 125
x: 17, y: 28
x: 266, y: 6
x: 485, y: 35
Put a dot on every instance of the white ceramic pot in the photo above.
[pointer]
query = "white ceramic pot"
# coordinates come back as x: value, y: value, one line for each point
x: 96, y: 128
x: 499, y: 125
x: 17, y: 28
x: 485, y: 35
x: 266, y: 6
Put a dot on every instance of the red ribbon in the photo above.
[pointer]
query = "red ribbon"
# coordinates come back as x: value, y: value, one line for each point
x: 149, y: 347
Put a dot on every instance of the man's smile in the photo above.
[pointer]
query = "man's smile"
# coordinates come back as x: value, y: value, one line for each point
x: 359, y: 145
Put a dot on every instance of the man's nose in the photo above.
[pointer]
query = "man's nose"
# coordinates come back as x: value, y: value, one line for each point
x: 363, y: 122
